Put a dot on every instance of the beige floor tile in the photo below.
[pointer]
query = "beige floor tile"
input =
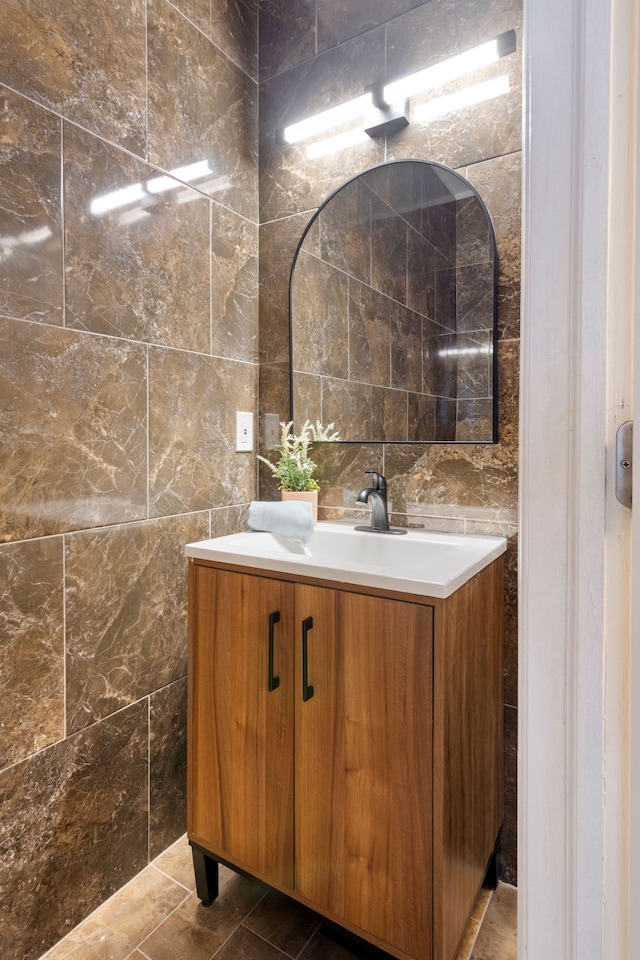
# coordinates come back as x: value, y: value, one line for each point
x: 197, y: 932
x: 249, y: 946
x: 497, y: 939
x: 176, y: 861
x: 321, y: 947
x: 283, y: 923
x: 118, y: 926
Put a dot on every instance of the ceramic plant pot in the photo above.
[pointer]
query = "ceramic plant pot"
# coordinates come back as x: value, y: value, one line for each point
x: 309, y: 496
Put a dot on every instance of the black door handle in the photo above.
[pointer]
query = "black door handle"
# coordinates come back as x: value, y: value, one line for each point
x: 307, y: 689
x: 274, y: 682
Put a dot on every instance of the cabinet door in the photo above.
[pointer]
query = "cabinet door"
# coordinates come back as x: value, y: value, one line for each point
x: 364, y: 764
x: 241, y: 720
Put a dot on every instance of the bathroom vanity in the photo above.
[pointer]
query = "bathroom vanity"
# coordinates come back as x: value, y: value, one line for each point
x: 345, y: 737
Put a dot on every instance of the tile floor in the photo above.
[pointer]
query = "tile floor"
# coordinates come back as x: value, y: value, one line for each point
x: 157, y: 916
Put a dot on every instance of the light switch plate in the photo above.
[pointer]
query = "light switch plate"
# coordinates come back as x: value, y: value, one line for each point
x: 271, y: 430
x: 244, y: 430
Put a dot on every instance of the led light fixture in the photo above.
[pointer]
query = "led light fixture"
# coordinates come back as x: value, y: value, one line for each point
x: 439, y: 106
x: 339, y: 142
x: 451, y: 69
x: 383, y: 109
x: 326, y: 120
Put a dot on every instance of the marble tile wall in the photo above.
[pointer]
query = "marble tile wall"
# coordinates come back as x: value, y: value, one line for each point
x: 128, y: 338
x: 322, y: 52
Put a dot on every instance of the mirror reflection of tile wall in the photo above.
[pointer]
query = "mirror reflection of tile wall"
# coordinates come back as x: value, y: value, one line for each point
x: 392, y: 310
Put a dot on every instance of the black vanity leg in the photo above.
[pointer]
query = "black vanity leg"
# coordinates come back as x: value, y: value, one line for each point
x: 490, y: 881
x: 206, y: 871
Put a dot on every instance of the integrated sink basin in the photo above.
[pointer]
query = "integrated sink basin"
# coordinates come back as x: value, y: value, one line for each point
x: 422, y: 562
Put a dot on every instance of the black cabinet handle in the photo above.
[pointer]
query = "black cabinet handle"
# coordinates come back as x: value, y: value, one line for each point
x: 307, y: 690
x: 274, y: 682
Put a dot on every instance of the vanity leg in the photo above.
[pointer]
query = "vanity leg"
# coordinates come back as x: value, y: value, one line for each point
x: 206, y: 871
x: 490, y: 881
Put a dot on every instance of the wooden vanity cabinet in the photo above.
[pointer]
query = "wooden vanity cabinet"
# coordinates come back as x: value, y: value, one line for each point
x: 346, y: 747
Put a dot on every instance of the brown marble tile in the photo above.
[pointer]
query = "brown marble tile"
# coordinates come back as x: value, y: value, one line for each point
x: 282, y: 923
x: 227, y: 520
x: 389, y: 414
x: 202, y: 108
x: 439, y: 29
x: 345, y: 231
x: 421, y: 274
x: 347, y: 404
x: 479, y: 481
x: 126, y: 614
x: 307, y: 399
x: 193, y: 464
x: 289, y: 181
x: 274, y: 394
x: 507, y: 852
x: 167, y: 765
x: 433, y: 32
x: 31, y: 271
x: 388, y: 251
x: 86, y: 61
x: 320, y: 303
x: 73, y: 418
x: 234, y: 286
x: 475, y: 297
x: 278, y: 243
x: 421, y: 417
x: 287, y: 32
x: 198, y: 11
x: 439, y: 362
x: 446, y: 420
x: 511, y: 619
x: 369, y: 337
x: 339, y: 20
x: 406, y: 350
x: 497, y: 939
x: 198, y: 932
x: 177, y: 863
x: 498, y: 181
x: 474, y: 379
x: 140, y: 268
x: 473, y: 232
x: 342, y: 475
x: 234, y: 28
x: 121, y: 923
x: 508, y: 395
x: 32, y: 648
x: 75, y: 830
x: 474, y: 421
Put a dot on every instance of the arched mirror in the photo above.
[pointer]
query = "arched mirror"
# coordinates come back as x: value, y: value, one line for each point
x: 393, y: 310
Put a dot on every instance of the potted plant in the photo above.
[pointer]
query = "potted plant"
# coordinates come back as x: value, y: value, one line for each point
x: 294, y: 468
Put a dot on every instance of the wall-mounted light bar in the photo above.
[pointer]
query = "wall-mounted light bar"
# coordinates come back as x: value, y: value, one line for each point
x: 350, y: 138
x: 451, y: 69
x: 321, y: 122
x: 451, y: 102
x: 383, y: 109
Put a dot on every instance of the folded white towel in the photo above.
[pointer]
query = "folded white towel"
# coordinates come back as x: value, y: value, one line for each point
x: 291, y: 518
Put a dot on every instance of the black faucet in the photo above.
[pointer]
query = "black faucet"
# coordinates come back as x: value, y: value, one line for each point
x: 376, y: 495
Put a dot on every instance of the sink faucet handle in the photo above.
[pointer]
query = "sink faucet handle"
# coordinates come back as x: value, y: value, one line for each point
x: 379, y: 482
